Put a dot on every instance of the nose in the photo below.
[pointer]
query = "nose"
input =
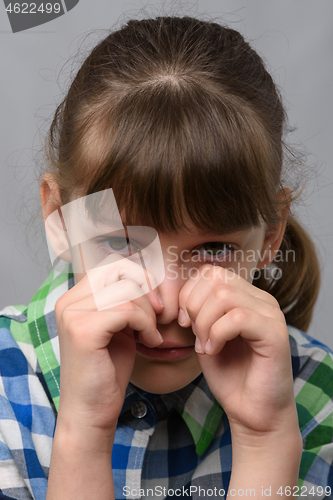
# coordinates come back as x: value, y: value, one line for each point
x: 169, y: 291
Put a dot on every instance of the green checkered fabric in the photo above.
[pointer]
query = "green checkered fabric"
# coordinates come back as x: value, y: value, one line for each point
x: 46, y: 345
x: 34, y: 330
x: 42, y: 334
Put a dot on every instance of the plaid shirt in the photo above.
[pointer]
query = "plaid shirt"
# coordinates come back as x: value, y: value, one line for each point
x: 169, y: 445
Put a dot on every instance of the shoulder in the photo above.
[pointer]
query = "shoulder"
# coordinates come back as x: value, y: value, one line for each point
x: 313, y: 388
x: 21, y: 378
x: 310, y: 356
x: 312, y: 363
x: 15, y: 335
x: 27, y: 419
x: 18, y: 359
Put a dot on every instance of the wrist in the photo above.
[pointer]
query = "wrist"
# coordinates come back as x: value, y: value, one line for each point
x: 269, y: 445
x: 81, y: 463
x: 275, y: 456
x: 282, y: 430
x: 78, y: 436
x: 269, y: 463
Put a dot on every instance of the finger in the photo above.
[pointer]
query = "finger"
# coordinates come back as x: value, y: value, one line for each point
x: 114, y: 269
x: 96, y: 330
x: 114, y: 298
x: 121, y: 292
x: 183, y: 317
x: 221, y: 300
x: 266, y: 335
x: 122, y: 352
x: 209, y: 277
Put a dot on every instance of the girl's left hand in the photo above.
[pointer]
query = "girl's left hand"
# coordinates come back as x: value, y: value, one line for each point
x: 243, y: 349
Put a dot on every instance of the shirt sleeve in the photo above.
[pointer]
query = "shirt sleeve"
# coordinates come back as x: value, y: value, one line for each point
x: 316, y: 470
x: 12, y: 484
x: 313, y: 386
x: 5, y: 497
x: 27, y: 425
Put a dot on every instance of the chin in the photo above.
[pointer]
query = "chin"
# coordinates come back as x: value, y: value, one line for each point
x: 163, y: 378
x: 159, y: 386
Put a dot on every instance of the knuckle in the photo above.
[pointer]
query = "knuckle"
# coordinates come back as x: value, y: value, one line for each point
x: 128, y: 307
x: 132, y: 286
x: 60, y: 306
x: 275, y: 310
x: 215, y: 332
x: 280, y: 315
x: 74, y: 328
x: 208, y: 271
x: 129, y: 290
x: 222, y: 293
x: 271, y: 299
x: 239, y: 315
x: 191, y: 309
x: 151, y: 323
x: 76, y: 324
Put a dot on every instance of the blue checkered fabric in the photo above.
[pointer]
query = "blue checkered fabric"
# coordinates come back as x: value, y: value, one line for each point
x: 182, y: 444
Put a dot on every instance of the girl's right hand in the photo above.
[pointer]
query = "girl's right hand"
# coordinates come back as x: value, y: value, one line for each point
x: 97, y: 347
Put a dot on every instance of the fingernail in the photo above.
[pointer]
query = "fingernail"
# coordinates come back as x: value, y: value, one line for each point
x: 208, y: 346
x: 181, y: 317
x: 197, y: 345
x: 160, y: 336
x: 193, y: 327
x: 160, y: 299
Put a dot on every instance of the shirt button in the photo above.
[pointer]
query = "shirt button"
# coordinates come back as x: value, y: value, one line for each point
x: 139, y: 409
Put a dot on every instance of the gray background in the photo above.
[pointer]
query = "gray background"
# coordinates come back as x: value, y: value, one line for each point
x: 294, y: 36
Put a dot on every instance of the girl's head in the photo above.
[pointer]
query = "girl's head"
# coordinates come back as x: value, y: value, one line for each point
x: 177, y: 116
x: 182, y: 120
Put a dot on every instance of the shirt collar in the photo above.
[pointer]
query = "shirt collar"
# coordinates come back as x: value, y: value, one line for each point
x: 195, y: 402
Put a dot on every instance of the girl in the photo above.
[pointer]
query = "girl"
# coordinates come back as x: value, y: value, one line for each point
x: 194, y: 387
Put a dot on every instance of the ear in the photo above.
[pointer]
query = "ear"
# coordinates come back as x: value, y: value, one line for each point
x: 54, y: 224
x: 274, y: 234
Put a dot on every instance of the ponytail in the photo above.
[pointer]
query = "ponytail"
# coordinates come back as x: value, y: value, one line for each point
x: 297, y: 288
